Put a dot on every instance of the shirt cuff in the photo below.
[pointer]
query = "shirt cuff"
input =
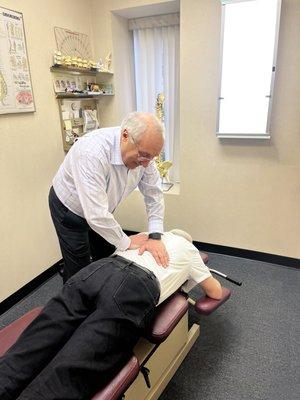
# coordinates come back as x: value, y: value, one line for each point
x: 124, y: 243
x: 156, y: 226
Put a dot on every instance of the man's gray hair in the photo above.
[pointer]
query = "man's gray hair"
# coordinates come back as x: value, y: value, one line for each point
x: 183, y: 234
x: 136, y: 123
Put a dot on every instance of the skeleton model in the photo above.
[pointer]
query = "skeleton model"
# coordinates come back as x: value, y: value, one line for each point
x: 163, y: 166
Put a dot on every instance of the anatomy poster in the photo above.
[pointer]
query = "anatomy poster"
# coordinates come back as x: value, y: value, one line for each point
x: 16, y: 95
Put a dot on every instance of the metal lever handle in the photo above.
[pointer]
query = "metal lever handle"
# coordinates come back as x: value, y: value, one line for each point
x: 214, y: 271
x: 233, y: 281
x: 145, y: 371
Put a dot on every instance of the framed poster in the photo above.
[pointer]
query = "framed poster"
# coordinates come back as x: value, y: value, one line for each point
x: 16, y: 94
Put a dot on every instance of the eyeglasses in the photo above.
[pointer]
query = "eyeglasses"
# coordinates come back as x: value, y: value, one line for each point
x: 142, y: 156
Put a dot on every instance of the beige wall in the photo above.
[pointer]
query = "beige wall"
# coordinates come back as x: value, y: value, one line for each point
x: 236, y: 193
x: 31, y: 149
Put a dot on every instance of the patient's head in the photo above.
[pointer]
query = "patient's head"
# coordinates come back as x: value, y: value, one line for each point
x: 183, y: 234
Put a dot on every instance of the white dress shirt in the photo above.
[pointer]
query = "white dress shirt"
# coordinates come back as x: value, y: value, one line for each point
x: 185, y: 265
x: 93, y: 180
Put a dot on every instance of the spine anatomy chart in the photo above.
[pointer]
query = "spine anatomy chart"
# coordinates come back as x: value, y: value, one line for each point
x: 15, y: 84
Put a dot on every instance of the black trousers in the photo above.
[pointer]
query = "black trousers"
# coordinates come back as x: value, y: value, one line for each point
x: 79, y: 244
x: 83, y: 336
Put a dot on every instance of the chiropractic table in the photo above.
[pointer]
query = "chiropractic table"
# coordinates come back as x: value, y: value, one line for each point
x: 155, y: 359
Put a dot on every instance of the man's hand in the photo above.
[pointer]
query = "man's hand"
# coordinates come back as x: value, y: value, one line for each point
x: 158, y: 250
x: 137, y: 241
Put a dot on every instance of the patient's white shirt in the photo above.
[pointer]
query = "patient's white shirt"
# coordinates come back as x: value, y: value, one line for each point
x: 185, y: 265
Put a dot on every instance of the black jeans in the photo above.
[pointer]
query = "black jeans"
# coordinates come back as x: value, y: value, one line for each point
x: 83, y: 336
x: 79, y: 244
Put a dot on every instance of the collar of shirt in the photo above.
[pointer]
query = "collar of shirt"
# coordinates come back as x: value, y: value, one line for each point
x: 115, y: 154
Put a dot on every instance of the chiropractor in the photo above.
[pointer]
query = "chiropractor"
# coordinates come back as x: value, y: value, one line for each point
x: 100, y: 170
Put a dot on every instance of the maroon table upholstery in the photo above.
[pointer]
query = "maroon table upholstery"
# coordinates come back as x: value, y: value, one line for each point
x: 206, y: 305
x: 168, y: 314
x: 204, y: 257
x: 121, y: 382
x: 10, y: 334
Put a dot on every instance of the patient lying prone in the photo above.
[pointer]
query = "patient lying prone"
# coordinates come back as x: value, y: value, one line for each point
x: 86, y: 333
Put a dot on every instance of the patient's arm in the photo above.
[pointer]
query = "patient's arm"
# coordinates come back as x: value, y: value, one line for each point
x: 212, y: 288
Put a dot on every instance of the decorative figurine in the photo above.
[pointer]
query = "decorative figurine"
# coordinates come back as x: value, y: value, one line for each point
x: 57, y: 59
x: 95, y: 87
x: 99, y: 65
x: 107, y: 65
x: 74, y: 62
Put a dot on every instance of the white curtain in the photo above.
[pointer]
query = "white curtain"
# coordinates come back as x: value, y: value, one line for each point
x: 156, y: 53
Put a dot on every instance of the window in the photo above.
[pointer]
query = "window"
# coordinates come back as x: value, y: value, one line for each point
x: 248, y: 52
x: 156, y: 60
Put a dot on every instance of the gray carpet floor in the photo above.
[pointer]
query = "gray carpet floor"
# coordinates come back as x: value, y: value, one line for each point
x: 248, y: 349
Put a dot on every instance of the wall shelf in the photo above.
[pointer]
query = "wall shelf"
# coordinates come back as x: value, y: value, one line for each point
x: 79, y: 71
x: 78, y: 103
x: 81, y: 95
